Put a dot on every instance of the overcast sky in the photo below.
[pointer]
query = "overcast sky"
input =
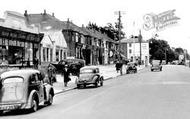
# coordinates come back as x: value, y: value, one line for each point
x: 102, y: 12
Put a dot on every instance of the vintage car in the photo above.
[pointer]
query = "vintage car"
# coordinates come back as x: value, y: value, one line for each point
x: 156, y: 65
x: 131, y: 68
x: 74, y: 65
x: 24, y: 89
x: 89, y: 75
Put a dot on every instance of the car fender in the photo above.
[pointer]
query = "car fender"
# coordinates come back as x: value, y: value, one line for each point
x: 32, y: 93
x: 49, y: 90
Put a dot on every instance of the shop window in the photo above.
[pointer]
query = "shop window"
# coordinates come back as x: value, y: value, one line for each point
x: 51, y: 55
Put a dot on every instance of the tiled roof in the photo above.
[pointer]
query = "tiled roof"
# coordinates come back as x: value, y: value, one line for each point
x: 131, y: 40
x: 45, y: 21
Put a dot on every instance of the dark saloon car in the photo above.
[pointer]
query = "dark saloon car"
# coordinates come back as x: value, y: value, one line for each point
x: 74, y: 65
x: 24, y: 89
x: 89, y: 75
x: 131, y: 68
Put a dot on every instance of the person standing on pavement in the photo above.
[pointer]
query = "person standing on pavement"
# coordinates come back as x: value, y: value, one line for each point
x: 66, y: 74
x: 119, y: 66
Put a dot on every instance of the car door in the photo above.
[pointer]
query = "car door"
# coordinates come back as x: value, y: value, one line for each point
x: 37, y: 85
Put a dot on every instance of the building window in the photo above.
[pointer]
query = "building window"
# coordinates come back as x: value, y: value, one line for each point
x: 61, y: 55
x: 57, y: 55
x: 64, y: 55
x: 130, y: 51
x: 47, y: 55
x: 44, y: 54
x: 130, y: 45
x: 51, y: 55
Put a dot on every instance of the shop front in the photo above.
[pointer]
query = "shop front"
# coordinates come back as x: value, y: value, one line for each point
x: 18, y: 47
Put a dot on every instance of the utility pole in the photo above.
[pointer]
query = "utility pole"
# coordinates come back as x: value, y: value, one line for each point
x: 140, y: 40
x: 119, y: 31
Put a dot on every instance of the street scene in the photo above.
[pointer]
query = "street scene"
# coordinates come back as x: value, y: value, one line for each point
x: 94, y: 60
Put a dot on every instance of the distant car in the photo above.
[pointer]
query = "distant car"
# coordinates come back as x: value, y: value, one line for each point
x: 131, y: 68
x: 24, y: 89
x: 156, y: 65
x: 89, y: 75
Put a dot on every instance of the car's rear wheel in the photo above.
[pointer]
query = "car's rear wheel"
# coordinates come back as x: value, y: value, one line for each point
x: 78, y: 86
x: 50, y: 101
x: 1, y: 112
x: 96, y: 84
x: 34, y: 107
x: 101, y: 83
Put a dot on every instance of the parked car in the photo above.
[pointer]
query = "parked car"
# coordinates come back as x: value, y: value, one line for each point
x: 131, y: 68
x: 24, y: 89
x: 74, y: 65
x: 156, y: 65
x: 89, y: 75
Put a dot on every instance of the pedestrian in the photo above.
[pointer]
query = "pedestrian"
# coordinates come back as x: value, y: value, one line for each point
x: 51, y: 73
x: 66, y: 74
x: 119, y: 66
x: 35, y: 62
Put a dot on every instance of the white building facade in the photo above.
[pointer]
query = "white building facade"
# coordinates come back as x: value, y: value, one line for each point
x: 133, y: 50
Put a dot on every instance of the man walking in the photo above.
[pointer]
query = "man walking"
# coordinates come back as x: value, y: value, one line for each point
x: 66, y: 74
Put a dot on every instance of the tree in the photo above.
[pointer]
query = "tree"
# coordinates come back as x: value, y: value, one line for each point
x: 160, y: 50
x: 110, y: 30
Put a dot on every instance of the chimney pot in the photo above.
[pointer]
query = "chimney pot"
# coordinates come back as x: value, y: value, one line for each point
x: 44, y: 11
x: 25, y: 13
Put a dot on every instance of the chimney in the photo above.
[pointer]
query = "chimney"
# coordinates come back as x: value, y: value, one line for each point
x: 44, y: 11
x: 25, y: 13
x: 53, y: 15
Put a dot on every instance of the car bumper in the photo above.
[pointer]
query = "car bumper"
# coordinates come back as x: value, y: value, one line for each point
x: 85, y: 82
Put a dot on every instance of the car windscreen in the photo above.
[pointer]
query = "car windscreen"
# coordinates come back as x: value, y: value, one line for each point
x: 13, y: 80
x: 86, y: 71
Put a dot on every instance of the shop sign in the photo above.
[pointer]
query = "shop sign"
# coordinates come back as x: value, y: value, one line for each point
x: 5, y: 41
x: 4, y: 33
x: 12, y: 42
x: 20, y: 43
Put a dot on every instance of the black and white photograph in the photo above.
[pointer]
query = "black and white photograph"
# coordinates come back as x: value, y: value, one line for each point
x: 94, y: 59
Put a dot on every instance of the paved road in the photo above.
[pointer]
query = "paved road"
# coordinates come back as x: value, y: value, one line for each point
x: 145, y: 95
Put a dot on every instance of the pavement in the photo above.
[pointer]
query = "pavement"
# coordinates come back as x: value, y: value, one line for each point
x: 108, y: 72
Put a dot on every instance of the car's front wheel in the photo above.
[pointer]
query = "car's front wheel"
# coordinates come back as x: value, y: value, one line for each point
x: 102, y: 82
x: 50, y: 101
x: 34, y: 107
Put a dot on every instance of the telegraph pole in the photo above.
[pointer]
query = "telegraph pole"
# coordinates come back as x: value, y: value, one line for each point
x: 140, y: 40
x: 119, y: 31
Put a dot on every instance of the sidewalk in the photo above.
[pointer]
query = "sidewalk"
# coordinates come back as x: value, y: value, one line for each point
x: 108, y: 71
